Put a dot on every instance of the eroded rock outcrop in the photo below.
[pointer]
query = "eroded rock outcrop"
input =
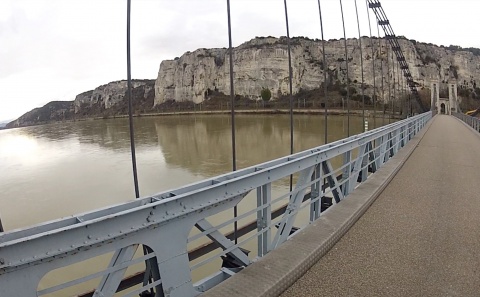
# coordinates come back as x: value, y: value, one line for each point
x: 263, y: 63
x: 106, y: 100
x: 111, y: 94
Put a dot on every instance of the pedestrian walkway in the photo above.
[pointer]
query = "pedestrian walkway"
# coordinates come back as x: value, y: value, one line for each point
x: 421, y: 237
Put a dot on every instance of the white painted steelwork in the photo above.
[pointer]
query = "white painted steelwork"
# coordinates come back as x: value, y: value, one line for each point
x: 163, y: 223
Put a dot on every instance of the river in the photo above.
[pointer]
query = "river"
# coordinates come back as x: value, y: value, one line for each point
x: 58, y: 170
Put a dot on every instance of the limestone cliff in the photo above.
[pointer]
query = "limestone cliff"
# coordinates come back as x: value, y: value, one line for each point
x: 103, y: 101
x: 263, y: 63
x: 107, y: 96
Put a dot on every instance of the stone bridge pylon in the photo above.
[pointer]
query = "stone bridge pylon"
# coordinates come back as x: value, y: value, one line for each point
x: 445, y: 105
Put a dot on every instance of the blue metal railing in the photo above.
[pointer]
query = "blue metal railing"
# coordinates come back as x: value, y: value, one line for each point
x: 178, y: 223
x: 469, y: 120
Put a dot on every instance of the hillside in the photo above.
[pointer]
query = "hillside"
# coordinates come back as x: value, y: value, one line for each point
x: 263, y: 63
x: 202, y: 76
x: 104, y: 101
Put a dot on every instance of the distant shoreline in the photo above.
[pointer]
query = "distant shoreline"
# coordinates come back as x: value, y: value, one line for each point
x: 334, y: 112
x: 259, y: 111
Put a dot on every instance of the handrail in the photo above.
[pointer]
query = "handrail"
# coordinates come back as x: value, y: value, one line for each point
x: 164, y: 222
x: 473, y: 122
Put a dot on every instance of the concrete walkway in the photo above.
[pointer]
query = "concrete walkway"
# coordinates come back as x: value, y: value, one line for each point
x: 421, y: 237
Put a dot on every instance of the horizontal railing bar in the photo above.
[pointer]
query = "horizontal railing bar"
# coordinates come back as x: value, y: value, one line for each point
x: 95, y: 275
x: 87, y: 234
x: 144, y: 288
x: 276, y: 172
x: 132, y: 205
x: 208, y: 247
x: 126, y: 283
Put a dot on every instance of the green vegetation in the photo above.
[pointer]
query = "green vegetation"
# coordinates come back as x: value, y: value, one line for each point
x: 266, y: 94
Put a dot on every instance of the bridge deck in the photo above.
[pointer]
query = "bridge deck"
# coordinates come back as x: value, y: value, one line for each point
x: 421, y: 237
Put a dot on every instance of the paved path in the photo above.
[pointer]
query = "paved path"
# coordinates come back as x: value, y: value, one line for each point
x: 421, y: 237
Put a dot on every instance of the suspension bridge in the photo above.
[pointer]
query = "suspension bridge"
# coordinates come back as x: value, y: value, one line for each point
x: 390, y: 211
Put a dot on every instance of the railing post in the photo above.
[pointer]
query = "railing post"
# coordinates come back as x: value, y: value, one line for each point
x: 315, y: 194
x: 264, y: 218
x: 165, y: 227
x: 170, y: 248
x: 347, y: 158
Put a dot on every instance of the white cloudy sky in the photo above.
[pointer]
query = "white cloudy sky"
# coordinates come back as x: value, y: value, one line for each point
x: 55, y: 49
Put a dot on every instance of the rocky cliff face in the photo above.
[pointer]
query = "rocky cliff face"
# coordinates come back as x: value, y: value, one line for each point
x: 111, y: 94
x: 106, y: 100
x: 263, y: 63
x: 50, y: 112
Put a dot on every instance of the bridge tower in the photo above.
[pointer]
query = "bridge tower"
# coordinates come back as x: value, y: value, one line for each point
x: 435, y: 95
x: 453, y: 96
x: 444, y: 105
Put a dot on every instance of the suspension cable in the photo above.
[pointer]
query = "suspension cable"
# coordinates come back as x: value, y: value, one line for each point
x: 291, y: 87
x: 389, y: 81
x: 346, y: 64
x: 130, y: 116
x: 232, y: 112
x: 361, y: 66
x: 381, y: 70
x: 324, y: 75
x: 232, y: 88
x: 403, y: 93
x: 394, y: 80
x: 372, y: 44
x: 399, y: 90
x: 148, y: 277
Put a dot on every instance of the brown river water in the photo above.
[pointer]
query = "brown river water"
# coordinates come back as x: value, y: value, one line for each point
x: 52, y: 171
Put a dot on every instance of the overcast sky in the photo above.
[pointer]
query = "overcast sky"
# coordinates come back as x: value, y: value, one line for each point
x: 56, y: 49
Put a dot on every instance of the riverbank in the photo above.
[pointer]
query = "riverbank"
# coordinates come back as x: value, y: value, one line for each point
x: 261, y: 111
x: 336, y: 112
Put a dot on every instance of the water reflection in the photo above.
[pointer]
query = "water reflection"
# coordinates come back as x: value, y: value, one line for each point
x: 203, y: 144
x: 62, y: 169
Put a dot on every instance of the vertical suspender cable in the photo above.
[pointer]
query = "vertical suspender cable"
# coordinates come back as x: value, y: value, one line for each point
x: 291, y: 88
x: 409, y: 102
x: 411, y: 97
x: 325, y: 67
x: 130, y: 117
x: 405, y: 91
x: 381, y: 71
x: 232, y: 89
x: 399, y: 91
x: 146, y: 250
x: 399, y: 95
x: 232, y: 111
x: 405, y: 94
x: 372, y: 44
x: 402, y: 90
x: 346, y: 64
x: 394, y: 81
x: 389, y: 80
x: 325, y: 83
x: 361, y: 66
